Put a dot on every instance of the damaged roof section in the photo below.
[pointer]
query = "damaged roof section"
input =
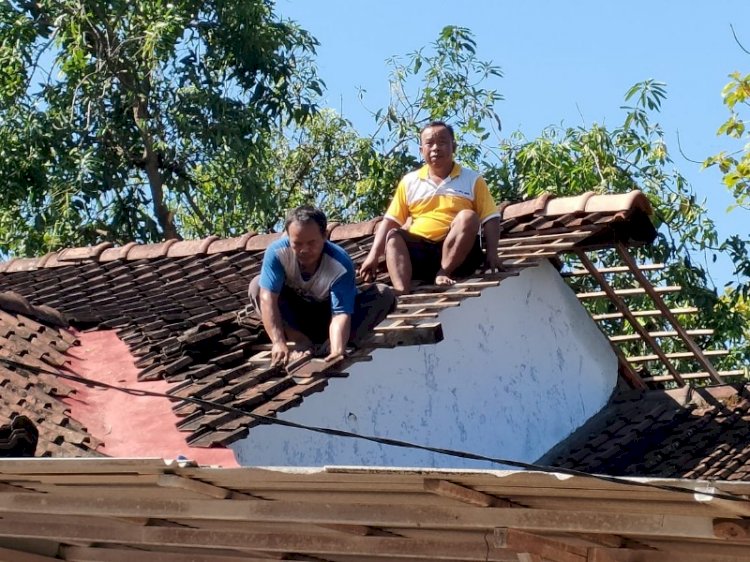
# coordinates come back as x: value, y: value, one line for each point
x: 180, y: 306
x: 684, y: 433
x: 35, y: 337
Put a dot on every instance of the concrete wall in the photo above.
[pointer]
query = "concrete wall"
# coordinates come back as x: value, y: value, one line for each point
x: 520, y: 368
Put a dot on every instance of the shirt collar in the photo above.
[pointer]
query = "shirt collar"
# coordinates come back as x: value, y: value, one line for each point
x: 424, y: 172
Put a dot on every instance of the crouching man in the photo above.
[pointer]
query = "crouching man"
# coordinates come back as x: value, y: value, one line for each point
x: 307, y: 294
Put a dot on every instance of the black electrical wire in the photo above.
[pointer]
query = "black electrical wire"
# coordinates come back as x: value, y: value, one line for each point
x: 374, y: 439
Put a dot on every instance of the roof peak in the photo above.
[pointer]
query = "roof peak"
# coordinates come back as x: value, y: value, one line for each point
x: 545, y: 205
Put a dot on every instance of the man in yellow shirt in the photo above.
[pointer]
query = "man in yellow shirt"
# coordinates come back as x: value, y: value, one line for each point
x: 447, y: 205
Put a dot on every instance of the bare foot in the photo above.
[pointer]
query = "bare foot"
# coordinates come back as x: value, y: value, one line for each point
x: 442, y: 278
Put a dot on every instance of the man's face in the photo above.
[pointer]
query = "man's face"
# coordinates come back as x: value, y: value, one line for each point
x: 307, y: 242
x: 437, y: 147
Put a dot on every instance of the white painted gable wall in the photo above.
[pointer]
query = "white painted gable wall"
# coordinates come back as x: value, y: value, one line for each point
x: 520, y: 368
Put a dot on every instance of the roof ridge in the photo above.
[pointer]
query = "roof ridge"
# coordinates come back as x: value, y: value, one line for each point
x: 544, y: 205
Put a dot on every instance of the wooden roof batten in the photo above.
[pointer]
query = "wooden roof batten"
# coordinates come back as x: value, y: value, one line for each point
x: 113, y: 509
x: 650, y: 337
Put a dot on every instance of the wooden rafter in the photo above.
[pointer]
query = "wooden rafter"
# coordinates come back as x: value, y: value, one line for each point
x: 667, y: 313
x: 626, y: 312
x: 168, y: 513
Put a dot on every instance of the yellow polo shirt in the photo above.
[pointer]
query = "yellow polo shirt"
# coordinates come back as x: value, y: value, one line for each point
x: 433, y: 207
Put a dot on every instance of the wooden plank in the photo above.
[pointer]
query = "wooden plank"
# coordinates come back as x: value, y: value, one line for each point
x: 677, y: 355
x: 578, y: 234
x: 623, y: 308
x: 102, y: 532
x: 554, y: 549
x: 446, y: 295
x: 643, y: 313
x: 696, y: 376
x: 526, y: 255
x: 631, y: 555
x: 406, y: 328
x: 667, y: 313
x: 534, y: 245
x: 82, y: 465
x: 95, y: 554
x: 616, y: 269
x: 13, y: 555
x: 174, y: 481
x: 446, y: 517
x: 660, y: 334
x: 463, y: 494
x: 433, y: 304
x: 628, y: 292
x: 413, y: 316
x: 735, y: 529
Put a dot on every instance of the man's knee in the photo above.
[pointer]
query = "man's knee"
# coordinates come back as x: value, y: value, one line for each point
x: 253, y: 291
x: 387, y: 296
x: 394, y: 241
x: 466, y: 220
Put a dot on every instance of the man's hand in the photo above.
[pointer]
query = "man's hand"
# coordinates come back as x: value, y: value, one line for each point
x: 369, y: 269
x: 279, y: 354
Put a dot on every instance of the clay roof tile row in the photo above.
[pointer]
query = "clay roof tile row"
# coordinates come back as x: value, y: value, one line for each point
x: 180, y: 305
x: 546, y: 205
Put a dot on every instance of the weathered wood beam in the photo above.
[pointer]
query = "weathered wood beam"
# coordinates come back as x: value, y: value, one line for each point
x: 616, y: 269
x: 667, y: 313
x: 629, y: 555
x: 735, y: 529
x: 623, y: 308
x: 104, y: 554
x: 100, y: 531
x: 644, y: 313
x: 438, y: 517
x: 628, y: 292
x: 660, y: 334
x: 450, y: 490
x: 698, y: 375
x: 677, y: 355
x: 13, y: 555
x: 553, y: 549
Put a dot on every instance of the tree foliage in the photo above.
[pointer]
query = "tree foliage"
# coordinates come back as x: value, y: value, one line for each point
x: 128, y: 119
x: 201, y: 117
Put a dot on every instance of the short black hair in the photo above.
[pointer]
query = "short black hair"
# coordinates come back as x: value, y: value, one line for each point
x: 438, y: 124
x: 305, y: 214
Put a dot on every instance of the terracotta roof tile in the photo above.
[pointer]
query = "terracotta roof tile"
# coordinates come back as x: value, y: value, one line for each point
x: 230, y: 244
x: 665, y: 434
x: 261, y: 241
x: 32, y: 343
x: 566, y: 205
x: 185, y: 248
x: 357, y: 230
x: 83, y: 253
x: 534, y: 206
x: 181, y: 306
x: 634, y: 200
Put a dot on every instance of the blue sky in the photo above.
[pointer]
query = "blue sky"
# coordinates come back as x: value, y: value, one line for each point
x: 564, y: 63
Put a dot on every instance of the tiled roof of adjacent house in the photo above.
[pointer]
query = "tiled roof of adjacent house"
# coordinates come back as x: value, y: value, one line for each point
x: 35, y: 336
x: 181, y: 305
x: 685, y: 433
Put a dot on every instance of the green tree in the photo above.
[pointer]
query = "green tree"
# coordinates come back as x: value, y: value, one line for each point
x: 128, y: 119
x: 735, y: 169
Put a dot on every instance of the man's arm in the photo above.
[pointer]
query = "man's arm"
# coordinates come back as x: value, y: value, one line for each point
x: 274, y: 325
x: 491, y: 237
x: 369, y: 268
x: 338, y: 335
